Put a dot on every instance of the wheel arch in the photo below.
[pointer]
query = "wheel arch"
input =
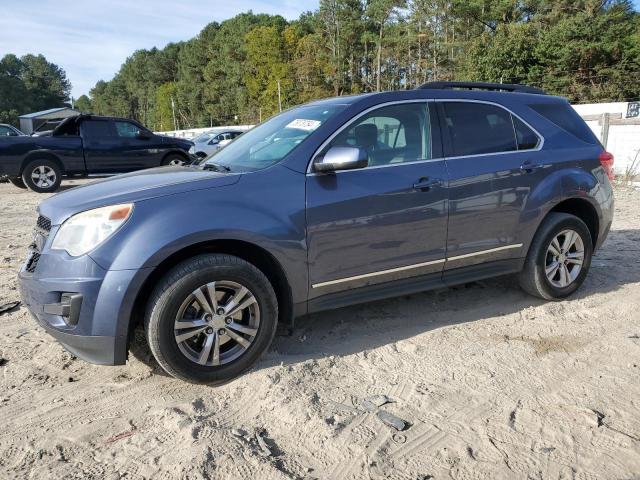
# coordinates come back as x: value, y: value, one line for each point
x: 584, y: 210
x: 41, y: 155
x: 175, y: 151
x: 252, y: 253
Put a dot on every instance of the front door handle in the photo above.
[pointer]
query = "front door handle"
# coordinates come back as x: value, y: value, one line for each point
x: 529, y: 167
x: 426, y: 183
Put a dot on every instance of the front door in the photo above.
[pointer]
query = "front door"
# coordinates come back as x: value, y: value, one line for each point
x: 384, y: 222
x: 141, y: 151
x: 103, y: 150
x: 493, y: 162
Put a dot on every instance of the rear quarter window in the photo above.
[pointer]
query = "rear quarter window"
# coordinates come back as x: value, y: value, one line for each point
x: 565, y: 117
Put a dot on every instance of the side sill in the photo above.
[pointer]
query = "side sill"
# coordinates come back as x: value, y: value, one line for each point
x: 378, y: 291
x: 482, y: 271
x: 407, y: 286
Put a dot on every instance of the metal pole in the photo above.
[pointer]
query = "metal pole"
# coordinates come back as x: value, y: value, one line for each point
x: 279, y: 98
x: 604, y: 132
x: 173, y: 111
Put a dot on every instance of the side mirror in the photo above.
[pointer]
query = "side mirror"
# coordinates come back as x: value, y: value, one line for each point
x: 142, y: 135
x: 341, y: 158
x: 214, y: 141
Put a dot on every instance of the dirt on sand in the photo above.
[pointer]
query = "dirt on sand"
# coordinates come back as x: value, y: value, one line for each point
x: 491, y: 383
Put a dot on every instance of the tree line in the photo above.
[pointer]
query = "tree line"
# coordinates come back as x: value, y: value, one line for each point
x: 241, y: 70
x: 586, y: 50
x: 30, y: 84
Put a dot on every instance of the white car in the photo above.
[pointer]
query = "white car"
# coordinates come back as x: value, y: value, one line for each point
x: 208, y: 143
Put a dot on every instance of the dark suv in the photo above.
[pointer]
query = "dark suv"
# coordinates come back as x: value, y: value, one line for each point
x: 328, y: 204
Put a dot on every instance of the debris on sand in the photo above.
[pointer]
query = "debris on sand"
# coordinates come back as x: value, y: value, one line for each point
x: 379, y: 400
x: 3, y: 361
x: 7, y: 307
x: 392, y: 421
x: 120, y: 436
x: 264, y: 449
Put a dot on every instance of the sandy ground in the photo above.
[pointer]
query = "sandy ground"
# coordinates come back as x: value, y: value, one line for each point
x: 494, y: 384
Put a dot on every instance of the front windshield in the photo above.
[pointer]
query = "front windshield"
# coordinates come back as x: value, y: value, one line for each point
x: 270, y: 142
x: 204, y: 137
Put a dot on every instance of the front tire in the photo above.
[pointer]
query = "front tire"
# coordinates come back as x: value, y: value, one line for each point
x: 210, y: 318
x: 42, y: 176
x: 559, y: 257
x: 174, y: 160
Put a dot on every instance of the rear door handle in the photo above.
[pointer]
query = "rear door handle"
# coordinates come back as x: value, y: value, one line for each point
x: 529, y: 167
x: 425, y: 184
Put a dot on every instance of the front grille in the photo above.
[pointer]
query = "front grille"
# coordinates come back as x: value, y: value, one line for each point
x: 44, y: 224
x: 43, y: 227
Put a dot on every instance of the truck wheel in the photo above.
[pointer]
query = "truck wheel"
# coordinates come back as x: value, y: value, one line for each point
x: 42, y: 176
x: 174, y: 160
x: 210, y: 318
x: 17, y: 182
x: 558, y: 259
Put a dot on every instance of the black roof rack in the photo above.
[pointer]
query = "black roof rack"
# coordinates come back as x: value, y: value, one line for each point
x: 499, y: 87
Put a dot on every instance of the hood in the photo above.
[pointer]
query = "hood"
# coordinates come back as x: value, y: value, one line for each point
x: 176, y: 140
x: 132, y: 187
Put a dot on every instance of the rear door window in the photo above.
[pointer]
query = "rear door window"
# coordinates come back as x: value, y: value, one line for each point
x: 97, y: 129
x: 527, y: 139
x: 565, y: 117
x: 479, y: 128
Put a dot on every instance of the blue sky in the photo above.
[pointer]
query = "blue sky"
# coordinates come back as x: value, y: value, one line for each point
x: 90, y: 39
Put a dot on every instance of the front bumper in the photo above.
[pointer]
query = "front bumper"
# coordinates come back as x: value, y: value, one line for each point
x: 83, y: 306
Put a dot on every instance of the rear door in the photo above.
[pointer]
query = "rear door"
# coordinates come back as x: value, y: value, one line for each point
x: 493, y: 161
x: 387, y: 221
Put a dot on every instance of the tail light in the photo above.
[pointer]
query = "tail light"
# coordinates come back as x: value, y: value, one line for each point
x: 606, y: 159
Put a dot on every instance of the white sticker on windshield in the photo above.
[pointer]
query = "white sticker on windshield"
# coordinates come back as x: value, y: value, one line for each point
x: 303, y: 124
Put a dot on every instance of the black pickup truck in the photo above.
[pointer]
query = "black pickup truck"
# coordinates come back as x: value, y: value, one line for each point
x: 86, y: 145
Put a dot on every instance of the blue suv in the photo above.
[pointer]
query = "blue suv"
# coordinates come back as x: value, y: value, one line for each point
x: 332, y: 203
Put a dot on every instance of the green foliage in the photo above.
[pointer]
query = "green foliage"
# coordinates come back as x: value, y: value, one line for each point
x: 165, y: 107
x: 83, y: 104
x: 30, y: 84
x: 587, y: 50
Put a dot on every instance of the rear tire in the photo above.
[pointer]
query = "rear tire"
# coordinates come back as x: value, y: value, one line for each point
x: 559, y: 257
x: 202, y: 341
x: 17, y: 182
x: 42, y: 176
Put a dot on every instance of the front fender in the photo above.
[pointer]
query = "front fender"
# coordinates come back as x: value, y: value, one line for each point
x: 264, y: 208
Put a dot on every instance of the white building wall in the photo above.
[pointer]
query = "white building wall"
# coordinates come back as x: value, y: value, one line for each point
x: 623, y: 141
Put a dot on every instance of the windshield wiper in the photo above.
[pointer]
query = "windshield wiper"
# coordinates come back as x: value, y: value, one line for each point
x: 216, y: 167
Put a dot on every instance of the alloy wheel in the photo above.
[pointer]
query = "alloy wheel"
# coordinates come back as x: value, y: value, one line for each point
x: 177, y: 162
x: 564, y: 258
x: 43, y: 176
x: 217, y: 323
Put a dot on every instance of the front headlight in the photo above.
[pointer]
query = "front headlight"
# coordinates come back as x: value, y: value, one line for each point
x: 85, y: 231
